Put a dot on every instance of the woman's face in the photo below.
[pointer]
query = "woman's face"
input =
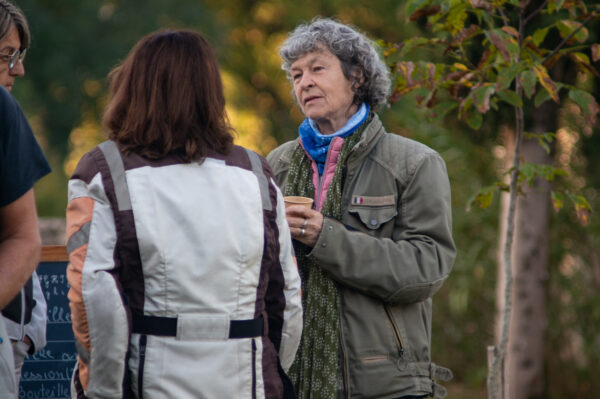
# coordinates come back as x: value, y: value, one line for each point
x: 323, y: 92
x: 8, y: 45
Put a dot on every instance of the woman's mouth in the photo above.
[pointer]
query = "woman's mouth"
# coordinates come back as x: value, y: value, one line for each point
x: 309, y: 99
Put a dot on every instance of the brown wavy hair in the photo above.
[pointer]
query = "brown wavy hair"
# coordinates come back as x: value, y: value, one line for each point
x: 167, y: 98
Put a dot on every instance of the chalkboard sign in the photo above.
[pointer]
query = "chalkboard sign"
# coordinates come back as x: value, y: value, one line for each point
x: 47, y: 374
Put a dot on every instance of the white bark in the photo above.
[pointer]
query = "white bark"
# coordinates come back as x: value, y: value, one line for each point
x: 525, y: 352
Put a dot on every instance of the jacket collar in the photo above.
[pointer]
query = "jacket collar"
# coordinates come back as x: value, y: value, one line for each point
x: 369, y: 138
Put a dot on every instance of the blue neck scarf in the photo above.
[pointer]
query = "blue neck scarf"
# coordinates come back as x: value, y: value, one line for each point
x: 317, y: 144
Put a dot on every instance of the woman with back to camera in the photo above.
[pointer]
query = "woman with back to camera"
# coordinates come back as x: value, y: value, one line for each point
x: 378, y: 243
x: 183, y: 282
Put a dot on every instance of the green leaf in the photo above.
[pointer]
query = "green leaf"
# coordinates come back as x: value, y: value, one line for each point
x: 506, y: 75
x: 586, y: 102
x: 555, y: 5
x: 483, y: 198
x: 541, y: 97
x: 566, y: 27
x: 528, y: 81
x: 441, y: 109
x: 526, y: 173
x: 481, y: 98
x: 505, y: 43
x: 546, y: 82
x: 457, y: 17
x: 540, y: 35
x: 544, y: 139
x: 558, y: 200
x: 530, y: 171
x: 581, y: 57
x: 475, y: 119
x: 510, y: 97
x: 581, y: 98
x: 414, y: 43
x: 582, y: 208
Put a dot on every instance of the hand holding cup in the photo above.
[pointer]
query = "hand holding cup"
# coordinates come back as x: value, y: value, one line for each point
x: 305, y: 223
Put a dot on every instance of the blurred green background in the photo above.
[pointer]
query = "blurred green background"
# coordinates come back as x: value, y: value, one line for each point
x: 76, y: 43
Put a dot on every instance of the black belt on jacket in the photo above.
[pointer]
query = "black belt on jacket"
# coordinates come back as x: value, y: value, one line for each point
x: 167, y: 326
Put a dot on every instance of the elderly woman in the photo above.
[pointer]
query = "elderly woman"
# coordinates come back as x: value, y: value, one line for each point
x: 183, y: 281
x: 378, y: 242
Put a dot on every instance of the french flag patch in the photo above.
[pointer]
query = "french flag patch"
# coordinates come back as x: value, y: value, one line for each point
x: 357, y: 200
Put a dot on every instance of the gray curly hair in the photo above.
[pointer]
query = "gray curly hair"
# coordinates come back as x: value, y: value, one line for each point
x: 357, y: 54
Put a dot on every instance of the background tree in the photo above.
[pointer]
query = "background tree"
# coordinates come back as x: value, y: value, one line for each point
x: 495, y: 56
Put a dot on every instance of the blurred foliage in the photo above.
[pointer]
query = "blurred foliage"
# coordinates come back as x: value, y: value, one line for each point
x: 76, y: 43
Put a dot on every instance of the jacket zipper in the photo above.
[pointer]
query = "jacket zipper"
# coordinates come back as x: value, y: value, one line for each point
x: 395, y: 329
x: 253, y: 369
x: 143, y: 339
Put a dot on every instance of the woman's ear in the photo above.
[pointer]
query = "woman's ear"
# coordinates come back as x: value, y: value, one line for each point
x: 358, y: 78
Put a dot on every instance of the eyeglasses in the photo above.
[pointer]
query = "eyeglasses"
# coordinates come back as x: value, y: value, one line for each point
x: 18, y: 55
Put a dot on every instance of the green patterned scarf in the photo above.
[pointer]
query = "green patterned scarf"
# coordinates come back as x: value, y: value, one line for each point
x: 314, y: 372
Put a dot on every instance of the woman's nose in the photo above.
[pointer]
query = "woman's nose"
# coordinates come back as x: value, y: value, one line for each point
x: 18, y: 69
x: 306, y: 81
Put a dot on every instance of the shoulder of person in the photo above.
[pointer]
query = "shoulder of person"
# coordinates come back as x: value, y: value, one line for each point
x: 8, y: 105
x: 88, y: 165
x: 404, y: 156
x: 281, y: 155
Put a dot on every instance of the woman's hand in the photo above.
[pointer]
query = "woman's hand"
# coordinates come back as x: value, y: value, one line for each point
x: 305, y: 223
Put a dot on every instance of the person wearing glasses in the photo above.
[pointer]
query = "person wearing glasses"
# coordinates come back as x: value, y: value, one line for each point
x: 14, y: 41
x: 22, y: 163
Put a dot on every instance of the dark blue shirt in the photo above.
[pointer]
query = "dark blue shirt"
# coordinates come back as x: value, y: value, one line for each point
x: 22, y: 161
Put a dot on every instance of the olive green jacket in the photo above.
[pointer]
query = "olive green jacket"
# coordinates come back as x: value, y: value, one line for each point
x: 390, y: 253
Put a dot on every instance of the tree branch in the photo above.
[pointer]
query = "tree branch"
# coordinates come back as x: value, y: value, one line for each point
x: 536, y: 12
x: 569, y: 36
x: 504, y: 17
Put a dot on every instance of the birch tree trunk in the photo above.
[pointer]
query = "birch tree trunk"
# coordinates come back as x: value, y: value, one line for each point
x: 525, y: 351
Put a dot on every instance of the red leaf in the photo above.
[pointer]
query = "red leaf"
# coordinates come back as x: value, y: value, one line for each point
x: 424, y: 12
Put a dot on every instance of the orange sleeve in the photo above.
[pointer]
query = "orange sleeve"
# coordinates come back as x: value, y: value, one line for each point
x: 79, y: 213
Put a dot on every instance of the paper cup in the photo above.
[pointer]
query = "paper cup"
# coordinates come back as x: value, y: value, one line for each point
x: 295, y: 200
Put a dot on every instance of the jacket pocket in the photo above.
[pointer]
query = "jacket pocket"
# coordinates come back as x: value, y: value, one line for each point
x: 373, y: 217
x: 395, y: 330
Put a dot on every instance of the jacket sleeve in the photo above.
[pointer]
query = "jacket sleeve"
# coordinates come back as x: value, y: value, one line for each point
x: 99, y: 317
x: 411, y: 265
x: 36, y: 328
x: 292, y: 314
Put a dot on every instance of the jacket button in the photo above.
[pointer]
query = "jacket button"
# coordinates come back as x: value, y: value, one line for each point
x: 324, y: 244
x: 373, y: 222
x: 329, y: 228
x: 401, y: 364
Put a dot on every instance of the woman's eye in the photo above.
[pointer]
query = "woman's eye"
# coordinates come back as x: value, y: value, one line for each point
x: 296, y: 76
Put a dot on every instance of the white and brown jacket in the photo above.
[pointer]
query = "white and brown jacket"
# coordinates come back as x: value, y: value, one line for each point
x: 183, y: 281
